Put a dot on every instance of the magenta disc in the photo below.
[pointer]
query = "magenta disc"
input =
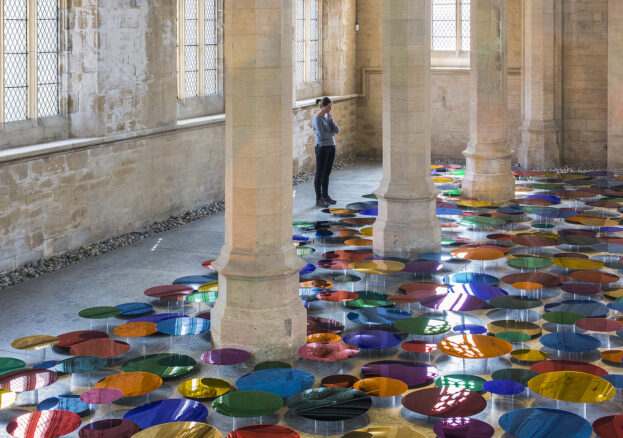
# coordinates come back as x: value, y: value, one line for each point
x: 599, y: 324
x: 101, y: 396
x: 263, y: 431
x: 411, y: 373
x: 27, y: 379
x: 327, y: 351
x: 445, y: 402
x: 581, y: 288
x: 225, y: 356
x: 111, y: 428
x: 463, y: 428
x: 169, y: 292
x: 548, y: 366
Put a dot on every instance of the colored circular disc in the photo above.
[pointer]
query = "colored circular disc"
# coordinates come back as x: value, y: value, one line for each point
x: 246, y: 404
x: 474, y: 203
x: 548, y: 366
x: 472, y: 277
x: 377, y: 266
x: 526, y: 262
x: 511, y: 302
x: 8, y: 364
x: 280, y: 381
x: 469, y: 329
x: 483, y: 291
x: 475, y: 346
x: 27, y: 379
x: 547, y: 280
x: 35, y: 342
x: 330, y: 404
x: 534, y: 240
x: 65, y: 402
x: 110, y: 428
x: 599, y: 324
x: 527, y: 355
x: 526, y: 327
x: 208, y: 296
x: 339, y: 381
x: 135, y: 329
x: 338, y: 296
x: 171, y: 292
x: 101, y: 396
x: 132, y: 309
x: 461, y: 381
x: 513, y: 337
x: 183, y: 326
x: 167, y: 411
x: 7, y: 398
x: 323, y: 337
x: 444, y: 402
x: 581, y: 288
x: 44, y: 424
x: 80, y: 364
x: 423, y: 267
x: 264, y: 431
x: 323, y: 325
x: 100, y: 347
x: 527, y: 285
x: 132, y: 383
x: 545, y: 423
x: 369, y: 299
x: 327, y: 351
x: 381, y: 386
x: 463, y: 428
x: 225, y: 356
x: 411, y: 373
x: 594, y: 277
x: 572, y: 386
x: 588, y: 308
x: 423, y: 326
x: 419, y: 346
x: 454, y: 302
x: 203, y: 388
x: 575, y: 263
x: 164, y: 365
x: 565, y: 341
x: 477, y: 253
x: 101, y: 312
x: 615, y: 356
x: 521, y: 375
x: 372, y: 339
x: 610, y: 426
x: 185, y: 429
x: 503, y: 387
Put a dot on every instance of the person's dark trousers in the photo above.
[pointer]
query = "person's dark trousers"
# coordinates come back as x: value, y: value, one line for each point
x: 324, y: 163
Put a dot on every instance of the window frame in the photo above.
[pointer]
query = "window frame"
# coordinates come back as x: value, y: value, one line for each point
x: 307, y: 89
x: 458, y: 58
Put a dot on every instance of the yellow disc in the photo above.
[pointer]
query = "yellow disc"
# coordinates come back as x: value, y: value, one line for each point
x: 442, y: 179
x: 208, y: 287
x: 614, y: 294
x: 203, y: 388
x: 367, y: 231
x: 358, y: 242
x: 597, y: 222
x: 511, y: 325
x: 527, y: 355
x: 576, y: 263
x: 384, y: 432
x: 572, y: 386
x: 323, y: 337
x: 377, y: 266
x: 35, y: 342
x: 180, y: 429
x: 474, y: 203
x: 524, y: 189
x: 7, y: 398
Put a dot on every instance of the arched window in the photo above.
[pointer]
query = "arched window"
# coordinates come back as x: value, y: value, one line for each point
x: 307, y: 41
x: 198, y: 45
x: 450, y: 32
x: 29, y: 59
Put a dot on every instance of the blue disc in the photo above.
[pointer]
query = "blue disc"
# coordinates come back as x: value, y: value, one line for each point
x: 503, y: 387
x: 617, y: 305
x: 69, y: 402
x: 447, y: 186
x: 299, y: 238
x: 436, y: 256
x: 283, y: 382
x: 167, y: 411
x: 555, y: 213
x: 470, y: 329
x: 183, y: 326
x: 568, y: 341
x: 307, y: 269
x: 472, y: 277
x: 545, y: 423
x: 615, y: 379
x: 372, y: 339
x: 588, y: 308
x: 369, y: 212
x: 157, y: 317
x: 80, y: 364
x: 550, y: 198
x: 46, y: 365
x: 448, y: 212
x: 482, y: 291
x: 321, y: 233
x: 195, y: 281
x: 510, y: 209
x: 130, y: 309
x: 612, y: 248
x: 377, y: 316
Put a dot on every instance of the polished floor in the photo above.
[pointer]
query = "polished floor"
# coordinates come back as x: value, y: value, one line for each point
x: 50, y: 305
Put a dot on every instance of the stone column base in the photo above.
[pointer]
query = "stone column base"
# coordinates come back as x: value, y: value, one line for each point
x: 539, y: 149
x: 488, y: 176
x: 413, y: 228
x: 263, y: 316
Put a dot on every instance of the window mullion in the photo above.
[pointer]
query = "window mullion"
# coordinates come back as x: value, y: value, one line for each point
x: 458, y: 27
x: 32, y: 58
x: 181, y: 44
x: 307, y: 41
x: 201, y: 47
x: 1, y: 63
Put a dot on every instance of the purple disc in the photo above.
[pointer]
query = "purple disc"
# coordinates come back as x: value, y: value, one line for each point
x: 453, y: 302
x: 101, y: 396
x: 411, y: 373
x: 470, y: 329
x: 503, y: 387
x: 225, y: 356
x: 581, y: 288
x: 460, y: 427
x: 372, y: 339
x: 482, y: 291
x: 112, y: 428
x: 423, y: 267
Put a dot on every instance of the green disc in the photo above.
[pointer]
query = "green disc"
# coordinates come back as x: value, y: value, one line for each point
x: 482, y: 221
x: 544, y: 186
x: 271, y: 365
x: 8, y: 364
x: 542, y: 226
x: 519, y: 375
x: 246, y: 404
x: 370, y: 196
x: 208, y: 296
x: 458, y: 172
x: 567, y: 318
x: 369, y: 299
x: 165, y: 365
x: 461, y: 381
x: 304, y: 250
x: 530, y: 262
x: 578, y: 240
x: 531, y: 208
x: 446, y: 241
x: 614, y: 265
x: 509, y: 302
x: 455, y: 192
x: 512, y: 336
x: 101, y: 312
x: 80, y: 364
x: 422, y: 326
x: 302, y: 224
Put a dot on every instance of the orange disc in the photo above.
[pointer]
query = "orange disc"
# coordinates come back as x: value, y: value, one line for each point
x: 612, y: 355
x: 527, y: 285
x: 358, y: 242
x: 318, y: 282
x: 323, y: 337
x: 135, y: 329
x: 475, y: 346
x: 381, y: 386
x: 132, y: 384
x: 594, y: 276
x: 477, y: 253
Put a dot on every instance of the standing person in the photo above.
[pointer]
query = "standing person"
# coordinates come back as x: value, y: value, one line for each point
x: 324, y: 130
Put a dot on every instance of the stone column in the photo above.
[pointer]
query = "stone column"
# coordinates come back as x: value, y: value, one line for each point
x: 407, y: 223
x: 539, y: 132
x: 488, y: 174
x: 615, y: 85
x: 258, y: 308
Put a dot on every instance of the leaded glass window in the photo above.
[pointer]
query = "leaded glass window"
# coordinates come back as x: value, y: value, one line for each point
x: 307, y: 41
x: 451, y: 25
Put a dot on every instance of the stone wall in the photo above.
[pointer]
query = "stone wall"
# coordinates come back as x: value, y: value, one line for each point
x: 585, y: 83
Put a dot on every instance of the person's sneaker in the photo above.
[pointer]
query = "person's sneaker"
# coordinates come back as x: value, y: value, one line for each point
x: 321, y: 203
x: 330, y: 200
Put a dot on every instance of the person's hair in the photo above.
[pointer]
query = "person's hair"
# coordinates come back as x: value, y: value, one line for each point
x: 324, y: 101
